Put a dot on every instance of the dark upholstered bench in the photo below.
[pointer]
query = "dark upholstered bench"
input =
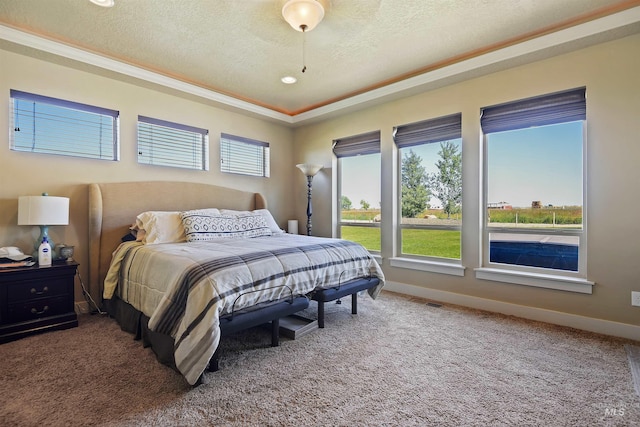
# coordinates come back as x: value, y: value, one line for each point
x: 350, y: 288
x: 236, y: 322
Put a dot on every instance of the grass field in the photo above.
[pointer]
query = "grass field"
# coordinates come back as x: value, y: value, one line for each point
x: 569, y: 215
x: 437, y: 243
x: 446, y: 243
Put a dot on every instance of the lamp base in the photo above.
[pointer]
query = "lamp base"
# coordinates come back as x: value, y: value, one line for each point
x: 44, y: 232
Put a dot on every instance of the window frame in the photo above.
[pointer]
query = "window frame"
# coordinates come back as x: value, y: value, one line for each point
x: 356, y: 145
x: 266, y: 155
x: 568, y: 280
x: 113, y: 115
x: 434, y: 131
x: 184, y: 131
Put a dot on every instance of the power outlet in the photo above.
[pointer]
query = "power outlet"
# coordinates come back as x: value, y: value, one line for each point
x: 635, y: 298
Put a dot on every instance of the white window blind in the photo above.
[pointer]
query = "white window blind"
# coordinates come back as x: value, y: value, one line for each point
x: 41, y: 124
x: 244, y: 156
x: 162, y: 143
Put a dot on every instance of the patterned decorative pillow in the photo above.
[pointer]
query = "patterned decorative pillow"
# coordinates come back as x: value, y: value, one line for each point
x: 200, y: 225
x: 273, y: 225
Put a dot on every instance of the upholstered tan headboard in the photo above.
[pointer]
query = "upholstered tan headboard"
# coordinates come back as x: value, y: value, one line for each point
x: 113, y: 207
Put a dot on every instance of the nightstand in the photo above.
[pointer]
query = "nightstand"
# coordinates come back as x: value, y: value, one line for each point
x: 36, y: 299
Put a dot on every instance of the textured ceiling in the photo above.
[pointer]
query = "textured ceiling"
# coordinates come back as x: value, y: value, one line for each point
x: 242, y: 48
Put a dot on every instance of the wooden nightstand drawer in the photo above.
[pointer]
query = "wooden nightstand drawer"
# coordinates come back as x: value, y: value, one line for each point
x: 36, y: 309
x: 36, y: 299
x: 29, y: 290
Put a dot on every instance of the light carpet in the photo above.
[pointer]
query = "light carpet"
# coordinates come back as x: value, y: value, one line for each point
x: 633, y: 352
x: 398, y: 362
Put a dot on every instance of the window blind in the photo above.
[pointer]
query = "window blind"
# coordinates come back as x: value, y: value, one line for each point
x: 559, y: 107
x: 41, y: 124
x: 366, y: 143
x: 163, y: 143
x: 433, y: 130
x: 244, y: 156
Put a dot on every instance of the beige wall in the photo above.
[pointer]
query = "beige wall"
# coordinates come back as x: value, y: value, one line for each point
x: 611, y: 74
x: 609, y: 71
x: 31, y: 174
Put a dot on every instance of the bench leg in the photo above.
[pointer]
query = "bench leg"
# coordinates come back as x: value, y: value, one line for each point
x: 213, y: 363
x: 275, y: 332
x: 320, y: 314
x: 354, y: 303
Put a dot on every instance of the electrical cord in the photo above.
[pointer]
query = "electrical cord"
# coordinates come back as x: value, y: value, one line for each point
x: 88, y: 298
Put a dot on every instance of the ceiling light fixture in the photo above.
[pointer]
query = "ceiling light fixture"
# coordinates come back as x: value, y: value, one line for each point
x: 288, y: 80
x: 104, y: 3
x: 303, y: 15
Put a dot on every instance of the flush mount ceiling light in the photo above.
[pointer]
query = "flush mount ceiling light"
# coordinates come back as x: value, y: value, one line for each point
x: 303, y: 15
x: 288, y: 80
x: 104, y: 3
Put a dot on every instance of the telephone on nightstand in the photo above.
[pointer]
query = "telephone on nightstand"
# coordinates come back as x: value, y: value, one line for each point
x: 11, y: 256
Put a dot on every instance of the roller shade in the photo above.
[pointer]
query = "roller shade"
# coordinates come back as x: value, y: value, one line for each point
x: 559, y: 107
x: 433, y: 130
x: 365, y: 143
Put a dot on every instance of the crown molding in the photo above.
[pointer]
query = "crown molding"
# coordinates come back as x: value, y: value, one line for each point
x: 503, y: 55
x: 379, y: 95
x: 56, y: 48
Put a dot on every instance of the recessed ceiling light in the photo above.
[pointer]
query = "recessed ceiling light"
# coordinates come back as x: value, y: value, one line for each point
x: 104, y: 3
x: 288, y: 80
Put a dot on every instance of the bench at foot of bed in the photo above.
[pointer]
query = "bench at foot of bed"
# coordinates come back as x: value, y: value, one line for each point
x: 352, y: 288
x: 232, y: 323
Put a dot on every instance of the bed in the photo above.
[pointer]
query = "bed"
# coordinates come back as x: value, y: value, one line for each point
x: 180, y: 296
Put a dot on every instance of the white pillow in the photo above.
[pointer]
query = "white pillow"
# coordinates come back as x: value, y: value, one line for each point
x: 200, y: 225
x: 161, y: 227
x: 271, y: 222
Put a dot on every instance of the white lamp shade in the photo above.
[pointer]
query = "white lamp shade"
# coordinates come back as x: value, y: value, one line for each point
x: 309, y: 169
x: 303, y: 12
x: 104, y: 3
x: 43, y: 210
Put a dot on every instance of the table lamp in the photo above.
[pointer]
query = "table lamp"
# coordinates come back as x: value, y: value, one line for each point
x: 44, y: 211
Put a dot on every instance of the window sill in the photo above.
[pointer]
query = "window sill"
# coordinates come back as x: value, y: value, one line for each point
x: 430, y: 266
x: 549, y: 281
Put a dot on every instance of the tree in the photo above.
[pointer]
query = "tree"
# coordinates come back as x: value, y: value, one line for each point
x: 415, y: 193
x: 446, y: 184
x: 364, y: 204
x: 345, y: 203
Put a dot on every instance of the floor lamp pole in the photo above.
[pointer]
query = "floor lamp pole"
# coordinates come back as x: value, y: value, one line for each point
x: 309, y: 208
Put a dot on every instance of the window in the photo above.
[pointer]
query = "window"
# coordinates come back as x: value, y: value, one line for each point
x: 162, y: 143
x: 534, y: 185
x: 54, y: 126
x: 244, y: 156
x: 359, y: 188
x: 430, y: 155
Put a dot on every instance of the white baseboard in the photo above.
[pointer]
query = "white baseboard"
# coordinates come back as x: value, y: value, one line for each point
x: 600, y: 326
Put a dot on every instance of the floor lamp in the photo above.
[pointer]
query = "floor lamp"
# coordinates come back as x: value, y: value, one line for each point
x: 309, y: 170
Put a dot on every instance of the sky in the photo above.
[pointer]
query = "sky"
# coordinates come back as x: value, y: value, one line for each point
x: 536, y: 164
x: 362, y: 181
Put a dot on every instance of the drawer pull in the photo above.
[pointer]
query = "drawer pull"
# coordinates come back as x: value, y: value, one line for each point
x: 34, y: 311
x: 44, y: 291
